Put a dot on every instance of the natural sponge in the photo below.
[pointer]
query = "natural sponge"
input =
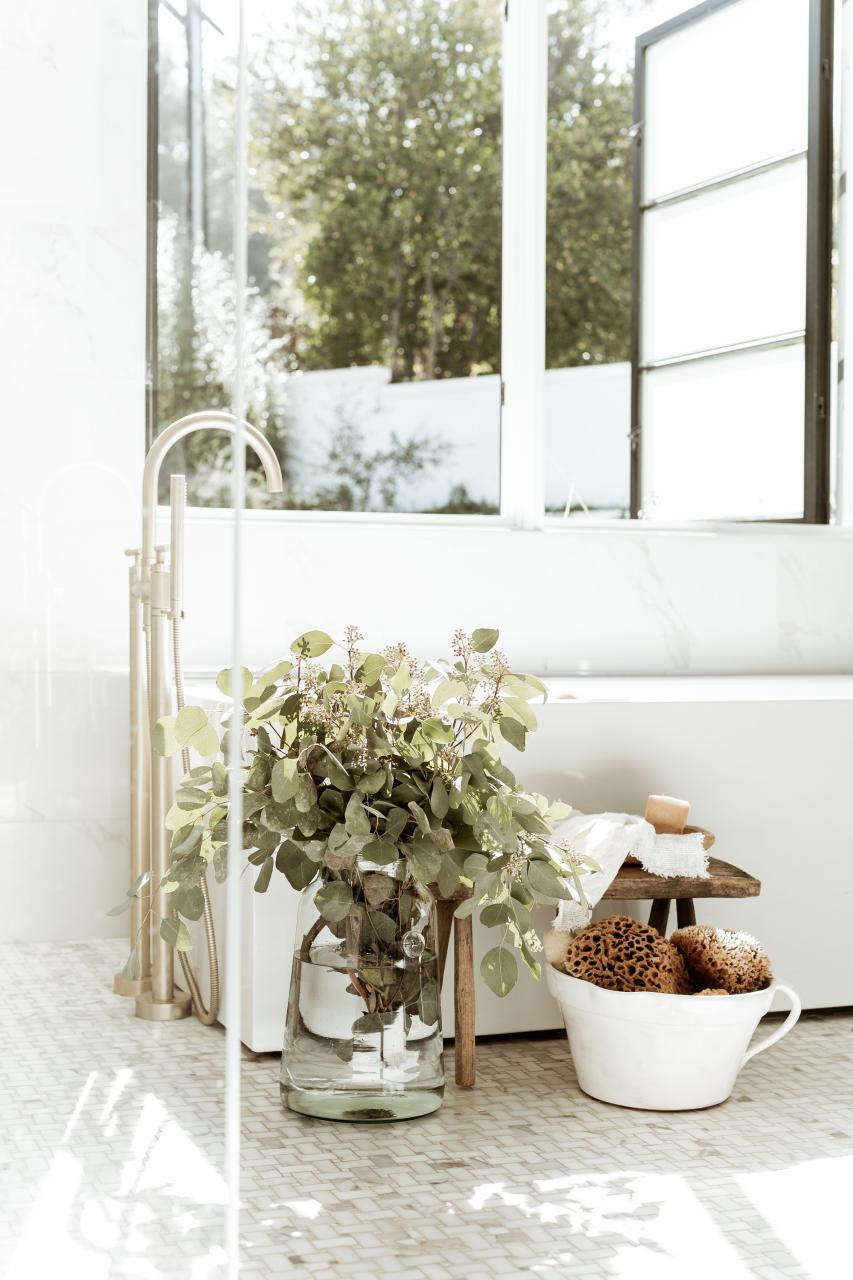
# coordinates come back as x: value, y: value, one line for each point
x: 621, y: 954
x: 722, y: 958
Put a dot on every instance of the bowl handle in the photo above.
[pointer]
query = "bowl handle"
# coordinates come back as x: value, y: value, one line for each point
x: 796, y: 1009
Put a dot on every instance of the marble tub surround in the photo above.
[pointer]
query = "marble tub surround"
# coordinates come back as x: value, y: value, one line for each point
x: 111, y: 1157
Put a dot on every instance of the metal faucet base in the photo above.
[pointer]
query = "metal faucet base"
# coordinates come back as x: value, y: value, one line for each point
x: 131, y: 986
x: 163, y: 1010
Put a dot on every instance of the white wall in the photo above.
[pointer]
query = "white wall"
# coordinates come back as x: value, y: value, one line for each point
x: 72, y: 306
x: 581, y: 600
x: 72, y: 93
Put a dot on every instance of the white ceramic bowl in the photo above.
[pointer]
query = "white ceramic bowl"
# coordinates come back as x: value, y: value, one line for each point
x: 660, y: 1052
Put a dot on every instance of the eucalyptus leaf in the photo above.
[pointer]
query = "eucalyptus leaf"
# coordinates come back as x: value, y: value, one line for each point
x: 224, y: 682
x: 372, y: 666
x: 120, y: 907
x: 264, y: 876
x: 139, y: 883
x: 296, y: 865
x: 356, y: 820
x: 484, y: 638
x: 334, y: 900
x: 439, y: 799
x: 311, y: 644
x: 448, y: 878
x: 424, y: 861
x: 185, y: 840
x: 514, y: 733
x: 545, y: 882
x: 306, y: 793
x: 175, y: 933
x: 284, y: 779
x: 131, y: 967
x: 378, y: 888
x: 189, y: 901
x: 500, y: 970
x: 382, y: 925
x: 420, y: 817
x: 164, y: 739
x: 494, y: 914
x: 382, y: 852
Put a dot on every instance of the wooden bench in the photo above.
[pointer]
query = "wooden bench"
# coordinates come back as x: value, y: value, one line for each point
x: 632, y: 884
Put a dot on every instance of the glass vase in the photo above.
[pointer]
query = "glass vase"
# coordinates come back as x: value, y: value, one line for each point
x: 363, y: 1034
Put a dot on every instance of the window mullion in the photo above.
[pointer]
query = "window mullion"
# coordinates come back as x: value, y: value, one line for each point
x: 525, y: 99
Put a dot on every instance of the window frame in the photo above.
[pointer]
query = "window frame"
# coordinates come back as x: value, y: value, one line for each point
x: 815, y: 334
x: 524, y: 284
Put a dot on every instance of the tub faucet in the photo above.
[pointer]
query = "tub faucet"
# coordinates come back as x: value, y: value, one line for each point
x: 154, y: 600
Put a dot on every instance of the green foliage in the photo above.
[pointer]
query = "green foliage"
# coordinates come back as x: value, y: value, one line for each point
x: 376, y: 223
x: 375, y: 765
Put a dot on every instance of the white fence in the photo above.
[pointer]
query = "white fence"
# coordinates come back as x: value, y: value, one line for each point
x: 587, y: 425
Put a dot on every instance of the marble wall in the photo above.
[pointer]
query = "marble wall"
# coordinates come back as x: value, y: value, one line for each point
x: 72, y: 307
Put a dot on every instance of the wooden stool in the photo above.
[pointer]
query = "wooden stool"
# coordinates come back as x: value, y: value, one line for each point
x: 633, y: 884
x: 463, y: 989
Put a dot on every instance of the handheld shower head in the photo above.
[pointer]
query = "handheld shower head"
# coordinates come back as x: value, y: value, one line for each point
x: 184, y: 427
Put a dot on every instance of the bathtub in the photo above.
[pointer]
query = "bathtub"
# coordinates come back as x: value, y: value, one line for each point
x: 765, y: 762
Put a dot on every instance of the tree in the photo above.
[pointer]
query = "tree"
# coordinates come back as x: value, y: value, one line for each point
x: 376, y: 207
x: 589, y: 193
x: 381, y: 157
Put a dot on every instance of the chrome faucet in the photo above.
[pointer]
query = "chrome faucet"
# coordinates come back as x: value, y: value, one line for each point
x: 155, y: 600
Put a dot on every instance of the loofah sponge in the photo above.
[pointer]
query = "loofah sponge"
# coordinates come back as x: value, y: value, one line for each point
x: 724, y: 959
x: 621, y: 954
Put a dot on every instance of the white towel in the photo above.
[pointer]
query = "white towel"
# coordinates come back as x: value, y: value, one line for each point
x: 608, y: 839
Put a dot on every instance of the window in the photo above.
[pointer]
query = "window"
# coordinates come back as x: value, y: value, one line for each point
x: 374, y: 248
x: 449, y: 198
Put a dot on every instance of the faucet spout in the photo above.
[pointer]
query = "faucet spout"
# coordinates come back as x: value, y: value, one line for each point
x: 184, y: 427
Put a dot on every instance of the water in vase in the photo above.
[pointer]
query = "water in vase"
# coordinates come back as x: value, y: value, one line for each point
x: 363, y: 1036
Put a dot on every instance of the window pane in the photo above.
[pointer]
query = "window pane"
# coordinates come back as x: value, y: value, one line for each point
x: 726, y: 266
x: 588, y: 301
x: 723, y: 438
x: 373, y: 341
x: 725, y: 92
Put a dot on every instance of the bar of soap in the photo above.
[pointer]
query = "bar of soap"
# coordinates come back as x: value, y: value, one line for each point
x: 667, y: 815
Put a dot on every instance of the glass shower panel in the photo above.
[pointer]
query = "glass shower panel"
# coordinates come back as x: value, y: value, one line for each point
x: 723, y: 438
x: 727, y: 91
x: 725, y: 266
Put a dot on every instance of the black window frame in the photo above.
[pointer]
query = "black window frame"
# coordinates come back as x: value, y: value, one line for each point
x: 817, y: 319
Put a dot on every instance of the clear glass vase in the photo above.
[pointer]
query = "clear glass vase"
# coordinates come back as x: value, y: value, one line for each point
x: 363, y: 1034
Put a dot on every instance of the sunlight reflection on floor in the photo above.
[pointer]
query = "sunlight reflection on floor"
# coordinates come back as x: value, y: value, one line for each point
x: 112, y: 1142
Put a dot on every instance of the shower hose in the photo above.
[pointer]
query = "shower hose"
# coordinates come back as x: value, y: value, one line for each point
x: 209, y: 1014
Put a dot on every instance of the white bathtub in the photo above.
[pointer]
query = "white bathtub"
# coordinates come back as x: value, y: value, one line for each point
x: 766, y: 762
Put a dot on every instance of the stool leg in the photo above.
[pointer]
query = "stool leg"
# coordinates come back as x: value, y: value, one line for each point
x: 463, y: 956
x: 444, y: 911
x: 659, y: 915
x: 685, y: 912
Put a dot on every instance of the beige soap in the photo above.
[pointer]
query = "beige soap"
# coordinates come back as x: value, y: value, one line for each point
x: 667, y: 815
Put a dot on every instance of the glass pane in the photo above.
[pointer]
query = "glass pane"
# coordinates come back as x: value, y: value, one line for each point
x: 727, y: 91
x: 373, y: 336
x: 723, y: 438
x: 726, y: 266
x: 588, y: 302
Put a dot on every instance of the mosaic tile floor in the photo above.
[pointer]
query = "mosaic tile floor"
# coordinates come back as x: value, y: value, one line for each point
x: 111, y: 1142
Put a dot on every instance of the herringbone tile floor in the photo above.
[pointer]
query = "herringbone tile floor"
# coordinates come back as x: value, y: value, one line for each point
x: 111, y: 1152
